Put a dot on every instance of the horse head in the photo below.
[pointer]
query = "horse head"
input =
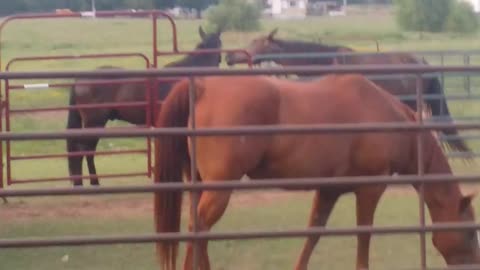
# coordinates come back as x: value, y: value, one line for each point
x: 459, y: 247
x: 210, y: 41
x: 261, y: 45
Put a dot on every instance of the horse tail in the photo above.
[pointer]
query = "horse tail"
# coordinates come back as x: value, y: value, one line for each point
x: 437, y: 106
x: 171, y: 155
x: 74, y: 120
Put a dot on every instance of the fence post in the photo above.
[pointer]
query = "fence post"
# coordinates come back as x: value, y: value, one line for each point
x: 7, y: 128
x: 466, y: 62
x: 5, y: 201
x: 195, y: 195
x: 442, y: 63
x: 1, y: 142
x: 420, y: 169
x: 149, y: 109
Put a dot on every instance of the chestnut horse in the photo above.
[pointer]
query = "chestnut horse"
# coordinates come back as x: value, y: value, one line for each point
x: 269, y: 44
x: 250, y: 101
x: 115, y: 93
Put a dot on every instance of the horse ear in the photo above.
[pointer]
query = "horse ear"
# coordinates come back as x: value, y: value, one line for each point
x: 202, y: 33
x: 466, y: 201
x: 272, y: 34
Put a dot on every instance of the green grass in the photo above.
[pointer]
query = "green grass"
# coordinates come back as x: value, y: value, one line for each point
x: 80, y: 36
x: 388, y: 252
x: 75, y: 36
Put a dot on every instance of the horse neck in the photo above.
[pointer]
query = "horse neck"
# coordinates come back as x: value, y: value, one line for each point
x: 299, y: 46
x: 196, y: 60
x: 439, y: 196
x: 309, y: 47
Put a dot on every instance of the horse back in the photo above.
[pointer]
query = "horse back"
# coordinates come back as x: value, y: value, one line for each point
x: 91, y: 93
x: 228, y: 102
x: 238, y: 101
x: 343, y: 99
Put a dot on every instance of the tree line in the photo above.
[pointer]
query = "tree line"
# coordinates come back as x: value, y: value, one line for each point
x: 8, y: 7
x: 436, y: 16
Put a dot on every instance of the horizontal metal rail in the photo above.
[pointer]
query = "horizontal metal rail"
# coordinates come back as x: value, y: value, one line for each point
x: 462, y: 155
x: 80, y: 154
x: 91, y: 83
x: 273, y: 56
x: 444, y: 117
x: 132, y: 104
x: 78, y: 57
x: 467, y: 97
x: 238, y: 235
x: 299, y: 183
x: 77, y: 177
x: 236, y: 131
x: 464, y: 137
x: 211, y: 71
x: 83, y: 83
x: 453, y: 267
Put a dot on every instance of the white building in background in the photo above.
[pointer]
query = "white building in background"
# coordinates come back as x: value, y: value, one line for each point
x: 475, y: 4
x: 288, y: 8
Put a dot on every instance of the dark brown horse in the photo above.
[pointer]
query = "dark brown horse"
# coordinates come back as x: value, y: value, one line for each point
x: 129, y: 92
x: 254, y: 101
x: 269, y: 44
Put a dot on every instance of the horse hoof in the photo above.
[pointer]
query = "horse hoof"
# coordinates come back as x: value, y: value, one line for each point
x: 95, y: 183
x: 77, y: 184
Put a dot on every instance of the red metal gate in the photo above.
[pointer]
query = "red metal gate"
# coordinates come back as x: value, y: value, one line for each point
x: 149, y: 104
x: 10, y: 112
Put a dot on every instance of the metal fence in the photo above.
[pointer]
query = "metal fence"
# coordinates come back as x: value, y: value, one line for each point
x: 458, y: 86
x: 151, y: 61
x: 194, y: 132
x: 149, y: 104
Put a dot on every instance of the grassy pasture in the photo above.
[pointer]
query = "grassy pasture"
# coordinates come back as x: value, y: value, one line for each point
x: 279, y: 213
x: 43, y: 217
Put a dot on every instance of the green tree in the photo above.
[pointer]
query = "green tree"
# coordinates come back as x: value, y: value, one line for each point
x: 234, y: 15
x: 423, y: 15
x: 77, y: 5
x: 10, y: 7
x: 197, y: 5
x: 462, y: 19
x: 162, y: 4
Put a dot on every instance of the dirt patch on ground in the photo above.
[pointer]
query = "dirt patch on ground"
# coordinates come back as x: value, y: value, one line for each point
x: 117, y: 208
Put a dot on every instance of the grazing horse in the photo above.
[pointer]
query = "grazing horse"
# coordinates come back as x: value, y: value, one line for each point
x: 255, y: 101
x: 129, y: 92
x: 269, y: 44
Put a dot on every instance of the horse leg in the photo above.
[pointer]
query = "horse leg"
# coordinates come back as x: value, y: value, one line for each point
x: 75, y: 162
x: 91, y: 146
x: 367, y: 199
x: 74, y: 121
x: 211, y: 207
x: 322, y: 207
x: 187, y: 176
